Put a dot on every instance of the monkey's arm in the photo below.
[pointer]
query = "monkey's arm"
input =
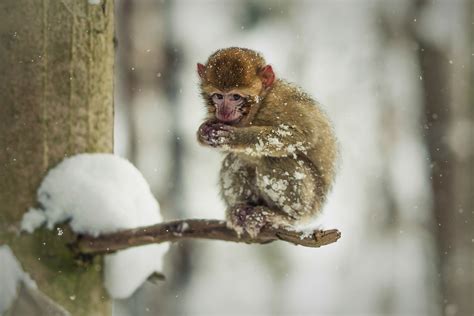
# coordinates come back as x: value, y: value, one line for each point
x: 271, y: 141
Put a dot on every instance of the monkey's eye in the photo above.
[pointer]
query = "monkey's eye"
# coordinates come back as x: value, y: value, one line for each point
x: 236, y: 97
x: 217, y: 96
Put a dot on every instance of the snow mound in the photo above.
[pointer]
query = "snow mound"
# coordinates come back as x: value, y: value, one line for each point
x: 96, y: 194
x: 11, y: 275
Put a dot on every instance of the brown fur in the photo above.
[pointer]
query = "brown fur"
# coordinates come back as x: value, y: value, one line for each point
x: 232, y: 68
x: 280, y: 161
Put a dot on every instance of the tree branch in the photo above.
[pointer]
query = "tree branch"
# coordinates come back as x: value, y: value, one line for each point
x: 196, y: 228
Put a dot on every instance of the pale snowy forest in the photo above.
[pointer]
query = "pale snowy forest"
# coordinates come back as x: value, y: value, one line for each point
x: 82, y: 79
x: 395, y: 78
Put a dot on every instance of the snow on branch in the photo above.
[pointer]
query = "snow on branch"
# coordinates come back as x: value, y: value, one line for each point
x: 196, y: 228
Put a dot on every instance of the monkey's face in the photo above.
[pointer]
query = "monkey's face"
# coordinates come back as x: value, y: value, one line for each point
x: 230, y: 107
x: 233, y: 105
x: 232, y: 83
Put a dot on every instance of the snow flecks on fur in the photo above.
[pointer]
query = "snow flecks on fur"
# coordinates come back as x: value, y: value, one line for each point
x: 289, y: 192
x: 299, y: 175
x: 274, y: 188
x: 97, y: 194
x: 283, y: 130
x: 277, y: 140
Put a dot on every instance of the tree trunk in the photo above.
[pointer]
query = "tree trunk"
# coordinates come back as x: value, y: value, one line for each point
x: 56, y: 93
x: 447, y: 104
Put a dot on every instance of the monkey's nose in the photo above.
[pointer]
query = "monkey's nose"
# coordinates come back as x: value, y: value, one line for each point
x: 228, y: 114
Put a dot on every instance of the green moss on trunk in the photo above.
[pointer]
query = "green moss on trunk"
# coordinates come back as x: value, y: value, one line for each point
x: 56, y: 92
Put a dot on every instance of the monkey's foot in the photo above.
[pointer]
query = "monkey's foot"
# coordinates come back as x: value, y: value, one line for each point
x: 245, y: 218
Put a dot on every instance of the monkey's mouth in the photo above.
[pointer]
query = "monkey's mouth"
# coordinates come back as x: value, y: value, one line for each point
x: 229, y: 117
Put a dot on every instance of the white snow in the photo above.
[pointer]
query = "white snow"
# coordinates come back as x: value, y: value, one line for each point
x: 298, y: 175
x: 11, y: 275
x: 96, y: 194
x: 283, y: 130
x: 275, y: 140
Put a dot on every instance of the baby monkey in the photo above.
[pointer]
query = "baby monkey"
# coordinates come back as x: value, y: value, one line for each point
x: 280, y: 147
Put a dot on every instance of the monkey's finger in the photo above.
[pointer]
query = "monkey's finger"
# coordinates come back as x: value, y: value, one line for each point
x: 222, y: 127
x: 206, y: 129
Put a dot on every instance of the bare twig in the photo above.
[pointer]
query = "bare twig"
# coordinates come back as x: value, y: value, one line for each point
x: 197, y: 228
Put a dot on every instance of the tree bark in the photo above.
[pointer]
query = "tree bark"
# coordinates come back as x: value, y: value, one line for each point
x: 56, y: 93
x: 197, y: 228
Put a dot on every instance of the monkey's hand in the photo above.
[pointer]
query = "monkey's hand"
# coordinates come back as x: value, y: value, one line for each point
x: 245, y: 218
x: 215, y: 134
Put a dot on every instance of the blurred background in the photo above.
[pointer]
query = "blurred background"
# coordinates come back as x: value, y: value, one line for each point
x: 396, y: 79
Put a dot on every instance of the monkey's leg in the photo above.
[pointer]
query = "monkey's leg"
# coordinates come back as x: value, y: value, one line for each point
x: 237, y: 181
x: 288, y: 193
x: 238, y: 188
x: 291, y: 190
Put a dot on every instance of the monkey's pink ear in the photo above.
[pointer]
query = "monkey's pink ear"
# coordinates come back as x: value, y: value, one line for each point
x: 267, y: 75
x: 201, y: 70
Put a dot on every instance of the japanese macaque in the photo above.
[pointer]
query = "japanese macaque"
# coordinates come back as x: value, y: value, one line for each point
x: 280, y: 147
